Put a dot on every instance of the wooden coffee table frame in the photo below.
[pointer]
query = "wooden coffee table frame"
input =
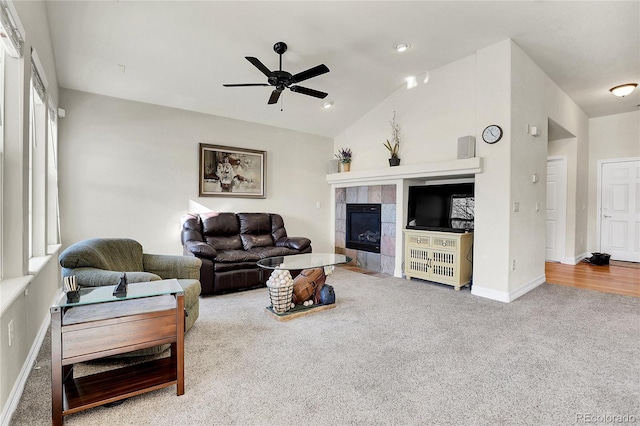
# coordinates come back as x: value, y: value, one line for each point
x: 120, y: 333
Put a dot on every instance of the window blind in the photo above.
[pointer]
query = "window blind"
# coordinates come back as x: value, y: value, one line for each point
x: 9, y: 32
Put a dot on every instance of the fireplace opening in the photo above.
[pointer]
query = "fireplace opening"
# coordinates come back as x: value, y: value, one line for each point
x: 363, y: 227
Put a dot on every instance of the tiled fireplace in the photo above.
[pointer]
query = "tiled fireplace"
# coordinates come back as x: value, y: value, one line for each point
x: 383, y: 195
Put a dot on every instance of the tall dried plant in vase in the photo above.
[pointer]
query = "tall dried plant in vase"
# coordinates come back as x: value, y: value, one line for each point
x: 393, y: 145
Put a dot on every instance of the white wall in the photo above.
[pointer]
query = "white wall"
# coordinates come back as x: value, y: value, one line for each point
x: 500, y: 85
x: 27, y: 310
x: 491, y: 249
x: 613, y: 136
x: 561, y: 109
x: 528, y: 157
x: 568, y: 148
x: 130, y: 169
x: 431, y: 116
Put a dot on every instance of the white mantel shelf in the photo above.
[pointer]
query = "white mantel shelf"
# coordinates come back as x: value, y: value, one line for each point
x: 431, y: 170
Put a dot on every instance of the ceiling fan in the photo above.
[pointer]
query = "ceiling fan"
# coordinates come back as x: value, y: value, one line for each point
x: 282, y: 79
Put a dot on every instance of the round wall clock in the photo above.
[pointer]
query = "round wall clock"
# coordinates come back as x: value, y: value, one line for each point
x: 492, y: 134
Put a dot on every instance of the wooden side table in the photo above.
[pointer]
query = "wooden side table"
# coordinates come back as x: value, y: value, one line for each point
x: 100, y: 325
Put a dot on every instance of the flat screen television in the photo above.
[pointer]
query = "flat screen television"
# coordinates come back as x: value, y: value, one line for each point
x: 446, y: 207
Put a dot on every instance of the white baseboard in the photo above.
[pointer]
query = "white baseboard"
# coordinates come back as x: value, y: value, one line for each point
x: 514, y: 294
x: 21, y: 381
x: 507, y: 296
x: 489, y: 293
x: 576, y: 260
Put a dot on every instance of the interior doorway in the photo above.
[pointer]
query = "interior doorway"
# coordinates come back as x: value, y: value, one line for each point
x: 619, y: 208
x: 556, y: 221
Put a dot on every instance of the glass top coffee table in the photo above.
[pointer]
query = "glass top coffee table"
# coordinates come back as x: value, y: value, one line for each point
x: 304, y: 261
x: 291, y: 299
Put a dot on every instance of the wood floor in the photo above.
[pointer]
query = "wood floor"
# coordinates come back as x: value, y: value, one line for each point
x: 615, y: 279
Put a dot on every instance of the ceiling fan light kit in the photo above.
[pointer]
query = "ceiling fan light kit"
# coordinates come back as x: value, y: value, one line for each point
x: 281, y: 80
x: 623, y: 89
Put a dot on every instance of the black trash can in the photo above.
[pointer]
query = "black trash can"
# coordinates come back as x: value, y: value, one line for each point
x: 599, y: 259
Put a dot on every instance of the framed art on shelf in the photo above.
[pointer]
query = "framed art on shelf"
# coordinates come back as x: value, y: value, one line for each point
x: 232, y: 172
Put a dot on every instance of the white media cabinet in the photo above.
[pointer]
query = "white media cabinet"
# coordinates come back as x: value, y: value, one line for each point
x: 442, y: 257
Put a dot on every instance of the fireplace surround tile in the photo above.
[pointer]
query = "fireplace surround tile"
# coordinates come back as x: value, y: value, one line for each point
x: 388, y: 194
x: 375, y: 194
x: 352, y: 195
x: 387, y: 264
x: 389, y: 229
x: 388, y: 213
x: 368, y: 261
x: 353, y: 254
x: 388, y: 245
x: 363, y: 194
x: 341, y: 211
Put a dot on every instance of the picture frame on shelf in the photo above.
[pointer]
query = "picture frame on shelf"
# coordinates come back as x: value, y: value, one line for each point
x: 232, y: 172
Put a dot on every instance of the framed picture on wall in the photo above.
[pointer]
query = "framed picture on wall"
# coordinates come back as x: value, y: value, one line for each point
x: 227, y: 171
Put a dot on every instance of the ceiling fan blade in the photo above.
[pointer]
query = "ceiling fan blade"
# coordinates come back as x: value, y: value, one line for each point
x: 310, y: 73
x: 309, y: 92
x: 275, y: 95
x: 246, y: 85
x: 256, y: 63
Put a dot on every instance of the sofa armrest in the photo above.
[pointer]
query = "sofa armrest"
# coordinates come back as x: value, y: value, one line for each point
x: 94, y: 277
x: 167, y: 266
x: 295, y: 243
x: 200, y: 249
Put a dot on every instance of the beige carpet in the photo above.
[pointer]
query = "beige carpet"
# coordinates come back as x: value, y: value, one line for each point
x: 392, y: 352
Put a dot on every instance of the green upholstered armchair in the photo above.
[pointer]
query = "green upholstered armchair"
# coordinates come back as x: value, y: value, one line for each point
x: 101, y: 261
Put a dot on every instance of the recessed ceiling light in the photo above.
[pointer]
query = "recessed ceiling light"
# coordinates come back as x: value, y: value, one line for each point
x: 411, y: 81
x: 327, y: 104
x: 623, y: 89
x: 402, y: 47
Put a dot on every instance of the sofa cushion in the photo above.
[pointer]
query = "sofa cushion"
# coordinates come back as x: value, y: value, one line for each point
x: 220, y: 243
x: 255, y: 223
x: 264, y: 252
x: 299, y: 244
x: 250, y: 241
x: 234, y: 266
x: 94, y: 277
x: 219, y: 224
x: 277, y: 227
x: 191, y: 228
x: 236, y: 256
x: 113, y: 254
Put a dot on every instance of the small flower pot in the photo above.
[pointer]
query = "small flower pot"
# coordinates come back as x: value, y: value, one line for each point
x: 394, y: 161
x: 346, y: 167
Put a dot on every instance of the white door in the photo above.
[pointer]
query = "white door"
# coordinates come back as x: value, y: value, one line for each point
x: 556, y: 208
x: 620, y: 210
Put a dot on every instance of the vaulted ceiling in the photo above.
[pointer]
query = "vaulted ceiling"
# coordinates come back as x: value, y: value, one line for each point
x: 179, y: 53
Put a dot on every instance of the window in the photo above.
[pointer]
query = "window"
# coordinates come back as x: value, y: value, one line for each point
x: 37, y: 167
x: 53, y: 207
x: 2, y: 52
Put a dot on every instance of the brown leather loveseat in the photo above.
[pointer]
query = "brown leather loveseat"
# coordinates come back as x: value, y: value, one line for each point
x: 230, y: 244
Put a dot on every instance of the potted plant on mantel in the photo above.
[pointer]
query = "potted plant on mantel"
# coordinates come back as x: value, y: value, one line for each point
x: 344, y: 156
x: 394, y: 145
